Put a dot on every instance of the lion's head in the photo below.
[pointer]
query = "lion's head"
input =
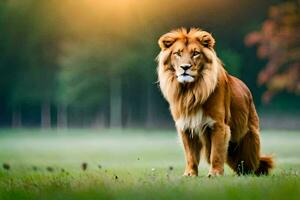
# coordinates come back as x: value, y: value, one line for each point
x: 187, y: 65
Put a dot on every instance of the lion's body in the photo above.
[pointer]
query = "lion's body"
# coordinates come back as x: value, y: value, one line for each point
x: 214, y: 112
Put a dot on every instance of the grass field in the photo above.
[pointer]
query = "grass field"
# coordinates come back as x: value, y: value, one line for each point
x: 134, y: 164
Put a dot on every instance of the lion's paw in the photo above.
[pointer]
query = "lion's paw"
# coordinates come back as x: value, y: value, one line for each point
x: 214, y: 173
x: 191, y: 173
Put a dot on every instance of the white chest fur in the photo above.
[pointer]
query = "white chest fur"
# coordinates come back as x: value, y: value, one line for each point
x: 197, y: 123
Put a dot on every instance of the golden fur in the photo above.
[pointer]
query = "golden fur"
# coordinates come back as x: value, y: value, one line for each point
x: 213, y: 111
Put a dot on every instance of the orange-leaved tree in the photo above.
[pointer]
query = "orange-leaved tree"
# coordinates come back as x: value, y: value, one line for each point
x: 278, y: 41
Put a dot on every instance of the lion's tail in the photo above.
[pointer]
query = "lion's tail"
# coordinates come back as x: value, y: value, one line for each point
x: 266, y: 163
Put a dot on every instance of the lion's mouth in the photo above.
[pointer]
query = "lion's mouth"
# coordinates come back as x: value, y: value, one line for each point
x: 185, y: 74
x: 185, y: 78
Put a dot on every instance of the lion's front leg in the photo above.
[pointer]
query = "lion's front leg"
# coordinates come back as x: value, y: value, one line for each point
x: 220, y: 136
x: 192, y: 147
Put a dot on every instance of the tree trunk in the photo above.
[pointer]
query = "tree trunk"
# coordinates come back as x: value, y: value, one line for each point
x: 62, y: 116
x: 150, y: 107
x: 115, y: 103
x: 45, y: 115
x: 16, y: 118
x: 99, y: 121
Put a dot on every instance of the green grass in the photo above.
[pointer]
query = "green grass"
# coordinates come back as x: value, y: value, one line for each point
x: 134, y: 165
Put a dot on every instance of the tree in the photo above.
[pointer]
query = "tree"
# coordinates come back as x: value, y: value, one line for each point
x: 30, y: 50
x: 279, y: 42
x: 83, y: 78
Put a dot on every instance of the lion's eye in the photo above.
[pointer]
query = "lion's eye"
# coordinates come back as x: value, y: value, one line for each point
x: 177, y: 53
x: 196, y: 53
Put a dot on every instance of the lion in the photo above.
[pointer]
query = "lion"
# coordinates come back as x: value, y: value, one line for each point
x: 213, y: 111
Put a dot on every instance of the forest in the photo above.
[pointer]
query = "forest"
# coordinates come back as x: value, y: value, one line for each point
x: 90, y: 63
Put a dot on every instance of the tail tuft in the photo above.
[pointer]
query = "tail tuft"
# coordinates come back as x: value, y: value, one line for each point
x: 266, y: 164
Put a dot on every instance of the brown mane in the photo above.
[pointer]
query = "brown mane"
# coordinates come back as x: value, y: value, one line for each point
x: 188, y: 97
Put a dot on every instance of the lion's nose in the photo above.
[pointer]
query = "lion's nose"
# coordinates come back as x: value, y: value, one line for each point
x: 186, y: 66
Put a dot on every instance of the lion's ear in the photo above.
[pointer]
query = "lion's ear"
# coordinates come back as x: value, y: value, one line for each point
x: 206, y: 39
x: 166, y: 41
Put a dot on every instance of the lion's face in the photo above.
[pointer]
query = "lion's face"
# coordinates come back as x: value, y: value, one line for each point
x: 185, y: 53
x: 186, y: 60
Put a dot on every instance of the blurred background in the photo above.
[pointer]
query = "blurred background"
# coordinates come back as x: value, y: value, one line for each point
x: 91, y: 63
